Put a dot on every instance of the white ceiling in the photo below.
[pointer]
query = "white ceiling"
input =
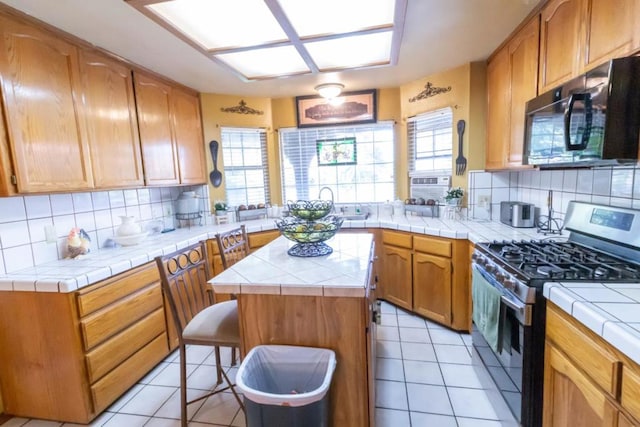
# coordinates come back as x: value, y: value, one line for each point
x: 438, y: 35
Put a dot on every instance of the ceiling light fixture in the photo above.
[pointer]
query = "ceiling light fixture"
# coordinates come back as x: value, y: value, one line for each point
x: 329, y: 90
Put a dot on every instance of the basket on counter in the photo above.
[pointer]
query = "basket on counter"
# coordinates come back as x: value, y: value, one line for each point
x: 310, y: 210
x: 309, y: 225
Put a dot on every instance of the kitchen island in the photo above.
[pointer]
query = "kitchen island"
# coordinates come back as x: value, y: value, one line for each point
x: 326, y: 302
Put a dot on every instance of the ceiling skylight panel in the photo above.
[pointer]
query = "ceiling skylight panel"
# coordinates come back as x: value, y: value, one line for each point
x: 216, y: 24
x: 264, y: 63
x: 355, y: 51
x: 337, y: 16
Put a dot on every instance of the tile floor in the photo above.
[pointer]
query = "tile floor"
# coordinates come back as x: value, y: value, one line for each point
x: 424, y: 377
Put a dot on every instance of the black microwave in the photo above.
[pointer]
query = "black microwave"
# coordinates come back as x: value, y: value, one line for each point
x: 592, y: 120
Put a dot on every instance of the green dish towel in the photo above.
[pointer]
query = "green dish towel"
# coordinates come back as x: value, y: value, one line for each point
x: 486, y: 311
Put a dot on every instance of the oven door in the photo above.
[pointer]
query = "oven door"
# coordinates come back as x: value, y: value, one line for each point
x: 505, y: 366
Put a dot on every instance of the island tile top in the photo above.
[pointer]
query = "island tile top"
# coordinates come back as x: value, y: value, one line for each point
x: 270, y: 270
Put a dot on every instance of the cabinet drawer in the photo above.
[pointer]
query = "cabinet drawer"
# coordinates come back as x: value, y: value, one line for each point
x: 393, y: 238
x: 116, y: 382
x: 601, y: 366
x: 117, y: 287
x: 432, y: 245
x: 258, y: 240
x: 105, y: 323
x: 630, y: 392
x: 110, y: 354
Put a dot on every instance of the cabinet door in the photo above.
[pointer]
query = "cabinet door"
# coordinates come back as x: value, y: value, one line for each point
x: 395, y: 276
x: 612, y: 30
x: 188, y: 134
x: 523, y: 64
x: 623, y: 421
x: 570, y: 398
x: 432, y: 287
x: 498, y: 110
x: 41, y: 88
x: 112, y: 125
x: 561, y: 42
x: 159, y: 150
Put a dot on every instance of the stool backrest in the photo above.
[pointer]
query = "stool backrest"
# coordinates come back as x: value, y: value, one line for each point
x: 233, y: 246
x: 184, y: 276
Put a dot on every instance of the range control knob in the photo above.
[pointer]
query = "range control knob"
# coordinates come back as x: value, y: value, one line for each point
x: 478, y: 259
x: 509, y: 284
x: 490, y: 268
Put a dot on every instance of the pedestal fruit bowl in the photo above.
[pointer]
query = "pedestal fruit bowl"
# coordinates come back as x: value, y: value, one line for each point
x: 309, y: 227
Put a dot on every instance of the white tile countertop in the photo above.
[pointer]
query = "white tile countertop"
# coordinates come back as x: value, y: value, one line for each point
x: 611, y: 310
x: 271, y: 271
x: 67, y: 275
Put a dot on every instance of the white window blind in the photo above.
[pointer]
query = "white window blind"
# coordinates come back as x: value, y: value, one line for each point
x: 370, y: 178
x: 430, y: 140
x: 246, y: 175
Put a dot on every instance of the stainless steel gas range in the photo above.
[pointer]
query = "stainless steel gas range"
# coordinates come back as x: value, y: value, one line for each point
x: 603, y: 246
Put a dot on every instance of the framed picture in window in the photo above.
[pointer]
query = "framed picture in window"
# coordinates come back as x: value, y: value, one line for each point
x: 333, y: 152
x: 348, y: 108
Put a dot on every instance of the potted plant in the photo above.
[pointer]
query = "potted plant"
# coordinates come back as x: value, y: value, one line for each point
x: 454, y: 196
x: 221, y: 207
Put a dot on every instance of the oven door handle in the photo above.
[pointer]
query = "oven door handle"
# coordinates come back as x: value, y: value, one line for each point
x: 523, y: 311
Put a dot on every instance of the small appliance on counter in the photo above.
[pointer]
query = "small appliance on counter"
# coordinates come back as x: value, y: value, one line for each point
x: 188, y: 208
x: 517, y: 214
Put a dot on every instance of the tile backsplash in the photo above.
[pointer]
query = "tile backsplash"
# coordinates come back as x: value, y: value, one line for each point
x: 616, y: 186
x: 26, y: 220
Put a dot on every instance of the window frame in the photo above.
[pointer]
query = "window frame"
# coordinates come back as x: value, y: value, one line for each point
x: 225, y: 131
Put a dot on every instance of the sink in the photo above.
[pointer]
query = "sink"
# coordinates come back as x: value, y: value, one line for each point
x: 354, y: 217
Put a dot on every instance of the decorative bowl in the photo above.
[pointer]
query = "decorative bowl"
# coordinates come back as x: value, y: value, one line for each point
x: 302, y: 231
x: 310, y: 210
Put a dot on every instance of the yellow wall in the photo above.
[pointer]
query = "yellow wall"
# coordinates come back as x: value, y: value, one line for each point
x: 213, y: 120
x: 467, y: 98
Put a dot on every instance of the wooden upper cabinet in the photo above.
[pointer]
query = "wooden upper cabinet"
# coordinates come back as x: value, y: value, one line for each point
x: 159, y: 149
x: 523, y: 64
x: 562, y: 35
x: 188, y: 133
x: 41, y: 89
x: 613, y: 30
x: 512, y: 80
x: 498, y: 110
x: 111, y: 121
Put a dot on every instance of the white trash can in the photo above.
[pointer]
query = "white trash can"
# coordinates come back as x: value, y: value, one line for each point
x: 286, y: 385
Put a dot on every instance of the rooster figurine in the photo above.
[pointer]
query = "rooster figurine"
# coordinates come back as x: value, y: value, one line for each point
x: 78, y: 243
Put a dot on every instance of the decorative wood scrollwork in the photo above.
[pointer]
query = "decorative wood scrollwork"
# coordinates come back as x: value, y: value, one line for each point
x: 429, y: 91
x: 241, y: 108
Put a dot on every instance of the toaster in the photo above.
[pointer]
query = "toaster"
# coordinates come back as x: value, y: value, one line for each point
x: 517, y: 214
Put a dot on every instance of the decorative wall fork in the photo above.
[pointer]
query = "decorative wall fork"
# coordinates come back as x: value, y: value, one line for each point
x: 461, y: 161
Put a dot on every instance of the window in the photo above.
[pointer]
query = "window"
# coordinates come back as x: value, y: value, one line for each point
x: 244, y: 152
x: 362, y: 170
x: 430, y: 140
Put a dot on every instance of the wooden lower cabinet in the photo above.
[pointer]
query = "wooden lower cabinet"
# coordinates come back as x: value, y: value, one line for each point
x: 432, y: 287
x: 587, y: 382
x: 623, y: 421
x: 260, y: 239
x: 68, y: 356
x: 395, y: 275
x: 570, y: 398
x: 427, y: 275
